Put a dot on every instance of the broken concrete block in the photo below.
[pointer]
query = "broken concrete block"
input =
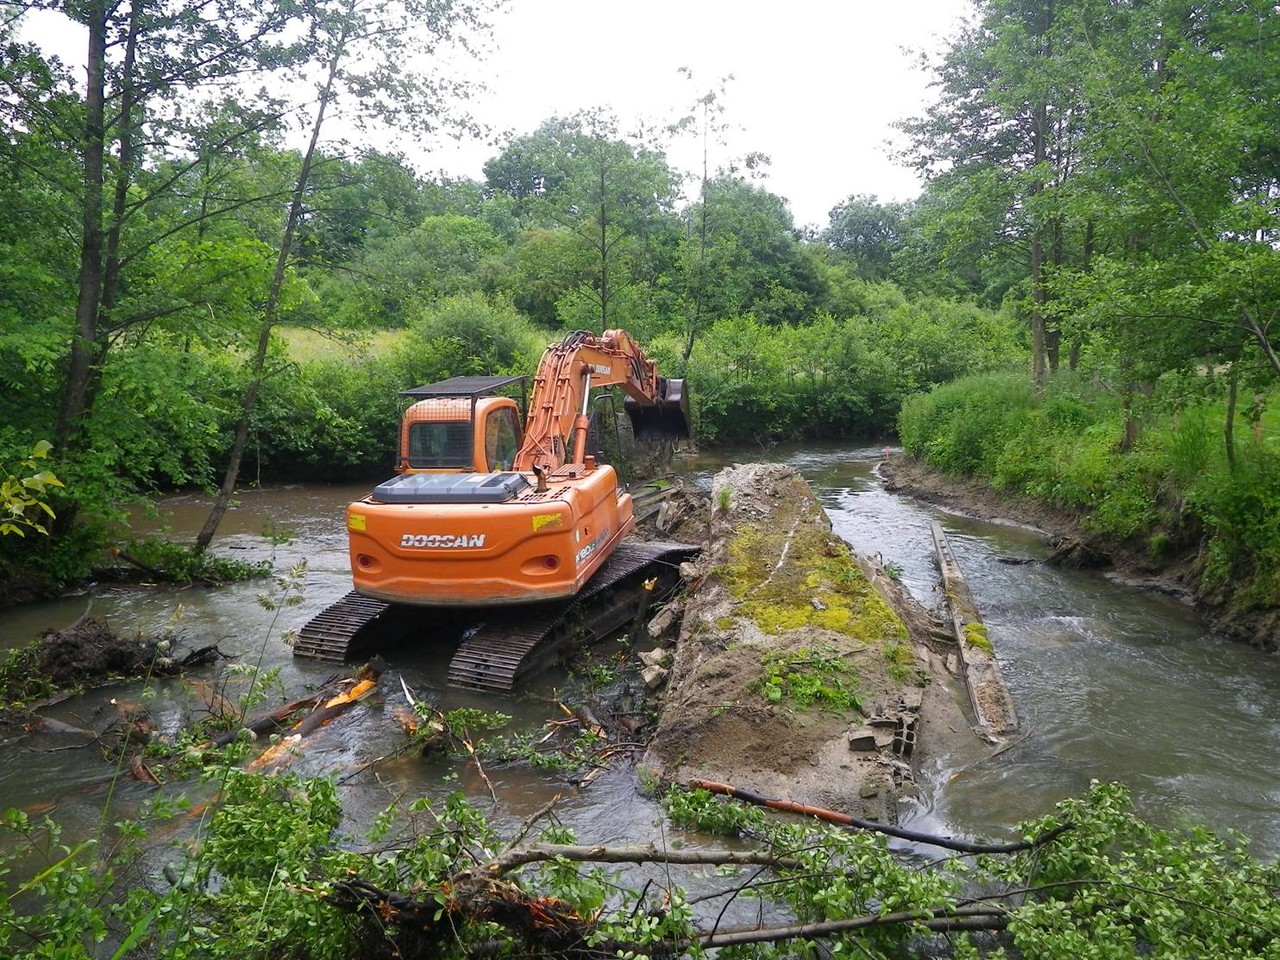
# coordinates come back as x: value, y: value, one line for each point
x: 862, y: 739
x: 912, y: 698
x: 654, y: 677
x: 661, y: 623
x: 655, y: 658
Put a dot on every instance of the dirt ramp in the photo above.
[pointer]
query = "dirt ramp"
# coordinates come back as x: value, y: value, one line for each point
x: 793, y: 676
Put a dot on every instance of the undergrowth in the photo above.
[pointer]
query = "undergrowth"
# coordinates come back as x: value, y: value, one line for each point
x: 1174, y: 492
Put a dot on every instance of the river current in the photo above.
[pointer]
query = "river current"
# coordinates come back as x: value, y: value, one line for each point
x: 1110, y: 683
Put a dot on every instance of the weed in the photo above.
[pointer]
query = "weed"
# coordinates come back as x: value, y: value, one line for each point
x: 901, y: 661
x: 808, y: 677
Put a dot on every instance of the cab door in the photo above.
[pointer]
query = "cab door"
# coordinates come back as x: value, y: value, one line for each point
x: 501, y: 438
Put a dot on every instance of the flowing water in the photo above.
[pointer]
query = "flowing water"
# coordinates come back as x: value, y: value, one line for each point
x: 1109, y: 683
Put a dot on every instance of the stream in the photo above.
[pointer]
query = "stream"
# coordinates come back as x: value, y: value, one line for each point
x: 1109, y: 683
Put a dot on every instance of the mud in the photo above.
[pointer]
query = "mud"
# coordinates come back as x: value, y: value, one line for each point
x: 87, y: 653
x: 775, y: 586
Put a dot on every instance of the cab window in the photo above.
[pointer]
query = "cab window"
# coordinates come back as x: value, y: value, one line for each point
x: 500, y: 435
x: 440, y: 444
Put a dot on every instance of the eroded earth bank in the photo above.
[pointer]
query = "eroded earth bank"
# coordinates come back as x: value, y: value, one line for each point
x: 803, y: 671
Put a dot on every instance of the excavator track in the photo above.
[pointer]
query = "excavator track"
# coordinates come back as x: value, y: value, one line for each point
x: 328, y: 635
x: 517, y: 643
x: 513, y: 643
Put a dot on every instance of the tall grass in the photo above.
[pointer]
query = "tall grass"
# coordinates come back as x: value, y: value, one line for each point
x: 1174, y: 492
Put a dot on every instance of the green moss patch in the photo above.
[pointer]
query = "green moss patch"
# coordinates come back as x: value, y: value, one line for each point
x: 796, y: 574
x: 975, y: 634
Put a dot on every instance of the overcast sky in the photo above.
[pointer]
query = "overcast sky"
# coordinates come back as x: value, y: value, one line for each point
x: 817, y: 83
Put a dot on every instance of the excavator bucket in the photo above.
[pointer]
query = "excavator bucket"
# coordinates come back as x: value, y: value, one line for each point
x: 666, y: 419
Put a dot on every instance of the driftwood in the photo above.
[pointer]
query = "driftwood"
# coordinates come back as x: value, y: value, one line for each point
x: 1062, y: 551
x: 321, y: 707
x: 844, y: 819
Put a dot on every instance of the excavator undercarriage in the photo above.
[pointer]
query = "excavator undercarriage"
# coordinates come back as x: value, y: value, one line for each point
x: 502, y: 646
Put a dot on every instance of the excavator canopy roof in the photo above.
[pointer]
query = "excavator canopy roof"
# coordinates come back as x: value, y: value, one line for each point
x: 461, y: 387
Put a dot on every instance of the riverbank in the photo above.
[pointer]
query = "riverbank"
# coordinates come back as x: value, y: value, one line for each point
x: 1175, y: 576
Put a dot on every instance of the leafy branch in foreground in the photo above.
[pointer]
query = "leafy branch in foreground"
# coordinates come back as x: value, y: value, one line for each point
x: 23, y: 496
x: 434, y: 879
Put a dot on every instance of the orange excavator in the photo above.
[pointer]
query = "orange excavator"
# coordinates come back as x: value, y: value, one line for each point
x: 516, y: 531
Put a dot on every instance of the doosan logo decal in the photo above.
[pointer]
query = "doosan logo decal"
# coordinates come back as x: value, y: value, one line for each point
x: 431, y: 541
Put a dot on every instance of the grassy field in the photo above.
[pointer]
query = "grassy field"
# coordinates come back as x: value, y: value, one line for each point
x: 306, y: 345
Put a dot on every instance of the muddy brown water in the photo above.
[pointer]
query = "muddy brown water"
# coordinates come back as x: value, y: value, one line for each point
x: 1110, y: 683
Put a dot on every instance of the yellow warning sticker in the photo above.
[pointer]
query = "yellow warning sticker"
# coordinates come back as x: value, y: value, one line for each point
x: 355, y: 521
x: 541, y: 520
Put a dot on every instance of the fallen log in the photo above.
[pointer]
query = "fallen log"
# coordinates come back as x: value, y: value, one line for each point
x: 844, y: 819
x: 269, y: 722
x: 323, y: 706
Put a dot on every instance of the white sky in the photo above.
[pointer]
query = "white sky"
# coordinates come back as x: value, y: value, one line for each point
x: 817, y: 83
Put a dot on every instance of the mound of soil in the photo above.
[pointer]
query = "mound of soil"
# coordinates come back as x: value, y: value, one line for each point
x: 778, y: 604
x: 89, y: 650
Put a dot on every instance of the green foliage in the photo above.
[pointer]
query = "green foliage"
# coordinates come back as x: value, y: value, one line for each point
x: 179, y: 564
x: 1241, y: 509
x: 265, y: 823
x: 1173, y: 486
x: 808, y: 677
x: 23, y: 497
x: 711, y: 813
x: 21, y: 681
x: 1118, y: 886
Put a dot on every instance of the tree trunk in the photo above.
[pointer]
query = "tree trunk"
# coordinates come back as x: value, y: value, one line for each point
x: 85, y: 343
x: 1229, y: 426
x: 1038, y: 293
x: 604, y: 250
x: 111, y: 260
x: 270, y: 316
x: 1038, y: 345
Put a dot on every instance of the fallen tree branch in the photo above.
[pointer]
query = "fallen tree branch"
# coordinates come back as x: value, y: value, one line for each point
x: 940, y: 920
x: 844, y: 819
x: 541, y: 852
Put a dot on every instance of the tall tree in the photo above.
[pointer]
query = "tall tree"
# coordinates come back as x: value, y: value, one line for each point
x: 867, y: 233
x: 1184, y: 178
x: 1007, y: 121
x: 145, y: 61
x: 610, y: 192
x: 365, y: 49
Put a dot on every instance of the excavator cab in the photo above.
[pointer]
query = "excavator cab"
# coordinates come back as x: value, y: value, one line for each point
x: 460, y: 425
x: 665, y: 419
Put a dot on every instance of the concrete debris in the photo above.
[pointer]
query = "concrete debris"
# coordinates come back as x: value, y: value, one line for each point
x: 654, y: 677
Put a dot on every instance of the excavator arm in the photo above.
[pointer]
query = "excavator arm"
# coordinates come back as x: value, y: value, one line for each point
x: 556, y: 427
